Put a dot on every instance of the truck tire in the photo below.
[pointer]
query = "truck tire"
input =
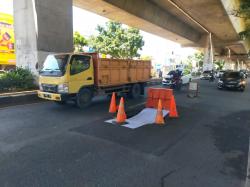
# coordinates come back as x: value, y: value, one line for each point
x: 84, y: 98
x: 135, y: 91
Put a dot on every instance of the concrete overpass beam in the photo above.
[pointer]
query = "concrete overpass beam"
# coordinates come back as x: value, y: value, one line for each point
x: 41, y: 27
x: 151, y: 12
x: 145, y: 15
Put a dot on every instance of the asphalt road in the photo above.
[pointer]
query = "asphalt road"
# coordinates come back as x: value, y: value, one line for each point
x: 46, y: 145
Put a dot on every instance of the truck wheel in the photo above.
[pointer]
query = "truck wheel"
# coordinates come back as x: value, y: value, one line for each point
x: 135, y: 91
x: 84, y: 98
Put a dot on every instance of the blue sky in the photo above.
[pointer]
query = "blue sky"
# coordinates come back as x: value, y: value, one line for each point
x: 85, y: 22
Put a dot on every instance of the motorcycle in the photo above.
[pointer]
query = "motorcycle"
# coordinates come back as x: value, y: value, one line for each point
x: 176, y: 83
x: 212, y: 78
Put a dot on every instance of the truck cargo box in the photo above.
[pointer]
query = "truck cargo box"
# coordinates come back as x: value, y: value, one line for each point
x: 114, y: 72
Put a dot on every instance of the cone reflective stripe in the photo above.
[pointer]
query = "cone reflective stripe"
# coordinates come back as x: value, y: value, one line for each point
x: 173, y: 110
x: 113, y: 107
x: 121, y: 115
x: 159, y: 115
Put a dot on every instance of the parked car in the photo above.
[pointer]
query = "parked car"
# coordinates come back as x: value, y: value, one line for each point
x: 206, y: 75
x: 232, y: 80
x: 185, y: 78
x: 244, y: 72
x: 220, y: 73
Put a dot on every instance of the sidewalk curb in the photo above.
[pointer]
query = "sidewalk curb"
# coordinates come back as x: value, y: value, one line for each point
x: 17, y: 98
x: 27, y: 97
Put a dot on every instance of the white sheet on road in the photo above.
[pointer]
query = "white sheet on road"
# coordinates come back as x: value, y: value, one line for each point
x: 146, y: 116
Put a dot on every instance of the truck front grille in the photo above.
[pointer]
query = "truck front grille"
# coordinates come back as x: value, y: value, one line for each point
x: 49, y: 88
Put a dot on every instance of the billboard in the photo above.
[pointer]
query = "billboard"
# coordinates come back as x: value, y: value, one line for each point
x: 7, y: 52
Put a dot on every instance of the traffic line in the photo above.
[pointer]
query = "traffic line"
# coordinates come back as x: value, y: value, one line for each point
x: 18, y: 93
x: 18, y: 105
x: 248, y: 168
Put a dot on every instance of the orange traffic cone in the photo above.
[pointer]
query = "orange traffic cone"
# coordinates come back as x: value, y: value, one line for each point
x: 173, y: 110
x: 159, y: 116
x: 121, y: 115
x: 112, y: 106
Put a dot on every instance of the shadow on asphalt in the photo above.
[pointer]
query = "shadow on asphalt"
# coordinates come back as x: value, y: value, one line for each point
x: 149, y: 138
x: 231, y: 137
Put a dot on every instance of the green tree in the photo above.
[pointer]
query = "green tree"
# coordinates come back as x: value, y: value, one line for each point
x: 220, y: 64
x: 118, y: 41
x: 79, y: 42
x: 198, y: 57
x: 244, y: 12
x: 188, y: 68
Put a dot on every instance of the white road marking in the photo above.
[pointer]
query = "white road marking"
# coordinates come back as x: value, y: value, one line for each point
x: 18, y: 93
x: 18, y: 105
x: 248, y: 168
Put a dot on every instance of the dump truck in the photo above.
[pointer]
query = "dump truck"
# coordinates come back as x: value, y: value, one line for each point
x: 80, y: 77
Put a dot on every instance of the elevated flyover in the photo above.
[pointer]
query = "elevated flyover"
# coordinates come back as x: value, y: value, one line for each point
x: 45, y: 26
x: 182, y: 21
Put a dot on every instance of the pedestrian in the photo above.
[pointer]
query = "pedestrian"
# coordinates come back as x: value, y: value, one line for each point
x: 160, y: 74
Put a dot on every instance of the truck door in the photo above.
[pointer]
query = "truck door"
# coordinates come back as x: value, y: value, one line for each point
x: 81, y: 72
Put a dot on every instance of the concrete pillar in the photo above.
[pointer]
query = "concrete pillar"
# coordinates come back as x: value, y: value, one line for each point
x: 41, y: 27
x: 238, y: 65
x: 208, y: 54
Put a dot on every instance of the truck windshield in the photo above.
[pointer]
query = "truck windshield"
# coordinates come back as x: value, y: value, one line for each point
x: 54, y: 65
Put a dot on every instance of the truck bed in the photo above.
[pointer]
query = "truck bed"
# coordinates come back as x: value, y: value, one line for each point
x: 114, y: 72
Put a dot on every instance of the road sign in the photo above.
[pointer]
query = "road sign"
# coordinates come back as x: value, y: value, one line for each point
x: 193, y: 89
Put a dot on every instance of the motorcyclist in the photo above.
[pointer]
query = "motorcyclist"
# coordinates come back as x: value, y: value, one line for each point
x: 177, y: 75
x: 211, y: 76
x: 177, y: 79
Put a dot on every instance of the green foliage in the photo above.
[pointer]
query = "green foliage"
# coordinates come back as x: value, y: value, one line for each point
x: 115, y: 40
x: 245, y: 34
x: 79, y: 42
x: 188, y: 69
x: 195, y: 74
x: 198, y: 57
x: 19, y: 79
x: 220, y: 64
x: 244, y: 12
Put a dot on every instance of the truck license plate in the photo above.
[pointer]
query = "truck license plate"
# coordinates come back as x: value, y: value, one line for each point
x: 47, y: 95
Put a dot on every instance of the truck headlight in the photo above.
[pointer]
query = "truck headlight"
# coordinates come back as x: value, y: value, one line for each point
x: 63, y: 88
x: 40, y: 87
